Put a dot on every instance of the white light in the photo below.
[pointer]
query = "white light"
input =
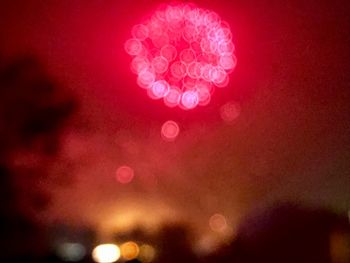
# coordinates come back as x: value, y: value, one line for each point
x: 106, y: 253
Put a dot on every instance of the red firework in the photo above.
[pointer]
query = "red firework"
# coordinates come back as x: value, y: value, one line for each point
x: 180, y: 54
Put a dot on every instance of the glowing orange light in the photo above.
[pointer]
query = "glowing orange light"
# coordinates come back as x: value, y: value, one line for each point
x: 106, y: 253
x: 129, y: 250
x: 170, y: 130
x: 124, y: 174
x: 217, y: 223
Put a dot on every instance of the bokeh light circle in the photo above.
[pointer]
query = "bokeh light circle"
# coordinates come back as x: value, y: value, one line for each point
x: 71, y: 252
x: 170, y: 130
x: 129, y: 250
x: 124, y: 174
x: 147, y: 253
x: 230, y: 111
x: 181, y: 53
x: 106, y: 253
x: 217, y: 223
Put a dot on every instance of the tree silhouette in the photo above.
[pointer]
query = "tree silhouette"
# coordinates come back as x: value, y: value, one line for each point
x: 33, y: 114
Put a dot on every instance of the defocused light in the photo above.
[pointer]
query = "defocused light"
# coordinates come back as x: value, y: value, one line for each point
x: 228, y: 62
x: 140, y: 32
x: 147, y: 253
x: 159, y: 89
x: 206, y: 246
x: 129, y: 250
x: 340, y: 247
x: 160, y: 64
x: 106, y: 253
x: 173, y: 97
x: 184, y: 46
x: 124, y: 174
x: 187, y: 56
x: 133, y: 47
x: 145, y: 78
x: 217, y: 223
x: 170, y: 130
x: 71, y: 252
x: 140, y: 64
x: 189, y: 99
x: 169, y: 52
x: 178, y: 70
x: 230, y: 111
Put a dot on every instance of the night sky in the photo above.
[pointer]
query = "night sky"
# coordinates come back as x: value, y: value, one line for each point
x: 291, y: 141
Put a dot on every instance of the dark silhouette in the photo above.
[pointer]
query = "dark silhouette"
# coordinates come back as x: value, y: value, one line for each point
x: 33, y: 111
x: 174, y: 244
x: 287, y: 233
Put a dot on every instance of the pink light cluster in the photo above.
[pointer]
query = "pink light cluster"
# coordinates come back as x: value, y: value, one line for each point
x: 180, y: 54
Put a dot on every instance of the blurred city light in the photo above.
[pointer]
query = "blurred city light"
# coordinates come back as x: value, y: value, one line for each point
x: 129, y: 250
x: 124, y: 174
x: 147, y: 253
x: 71, y: 252
x: 106, y: 253
x: 170, y: 130
x: 217, y: 223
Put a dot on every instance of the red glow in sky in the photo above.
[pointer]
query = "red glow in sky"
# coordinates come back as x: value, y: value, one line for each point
x: 292, y: 82
x: 180, y: 54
